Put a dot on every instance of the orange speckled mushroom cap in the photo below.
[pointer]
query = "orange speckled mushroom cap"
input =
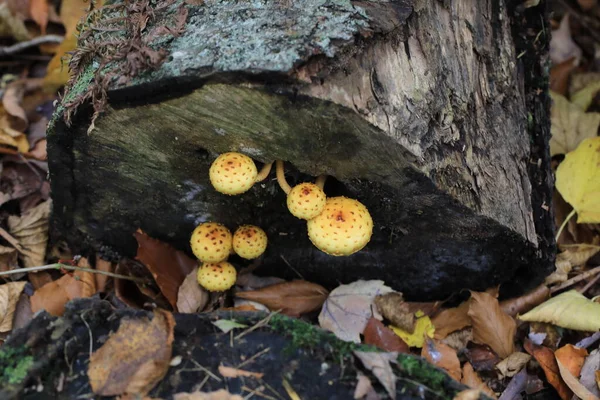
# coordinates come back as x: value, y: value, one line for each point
x: 211, y: 242
x: 249, y: 241
x: 232, y: 173
x: 306, y: 200
x: 343, y: 228
x: 216, y: 277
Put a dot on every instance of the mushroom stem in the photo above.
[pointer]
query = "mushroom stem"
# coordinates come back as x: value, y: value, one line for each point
x: 281, y: 177
x: 264, y: 172
x: 320, y: 182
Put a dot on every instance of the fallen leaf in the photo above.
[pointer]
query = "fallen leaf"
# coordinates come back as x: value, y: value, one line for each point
x: 53, y: 296
x: 423, y: 329
x: 472, y: 380
x: 39, y: 10
x: 491, y: 325
x: 578, y: 179
x: 451, y: 319
x: 587, y: 5
x: 513, y: 364
x: 379, y: 365
x: 292, y: 298
x: 559, y: 76
x: 379, y: 335
x: 11, y: 101
x: 135, y: 358
x: 31, y: 231
x: 545, y: 357
x: 247, y: 305
x: 442, y: 356
x: 568, y: 259
x: 562, y: 46
x: 23, y: 314
x: 589, y: 371
x: 581, y: 80
x: 191, y: 297
x: 229, y: 372
x: 168, y: 266
x: 583, y: 98
x: 393, y: 308
x: 8, y: 260
x: 525, y: 302
x: 570, y: 310
x: 572, y: 358
x: 458, y: 339
x: 101, y: 279
x: 573, y: 384
x: 348, y: 308
x: 570, y: 125
x: 227, y: 325
x: 469, y: 394
x: 481, y: 356
x: 88, y: 287
x: 9, y: 296
x: 11, y: 25
x: 364, y: 388
x: 218, y: 395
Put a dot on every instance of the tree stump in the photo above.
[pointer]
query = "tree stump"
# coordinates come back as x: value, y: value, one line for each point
x: 432, y: 114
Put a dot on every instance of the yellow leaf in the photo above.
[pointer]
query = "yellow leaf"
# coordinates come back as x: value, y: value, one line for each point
x: 570, y: 125
x: 584, y: 97
x: 578, y: 180
x: 423, y: 327
x: 570, y: 310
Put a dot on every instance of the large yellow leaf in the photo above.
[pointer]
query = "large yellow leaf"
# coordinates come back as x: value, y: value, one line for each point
x: 570, y: 125
x: 71, y: 12
x: 578, y: 180
x: 423, y: 327
x: 570, y: 310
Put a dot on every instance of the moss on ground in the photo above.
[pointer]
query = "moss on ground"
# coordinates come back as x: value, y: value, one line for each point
x: 14, y: 364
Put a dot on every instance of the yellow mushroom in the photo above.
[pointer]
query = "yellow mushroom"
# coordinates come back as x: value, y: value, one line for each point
x: 235, y: 173
x: 305, y: 200
x: 211, y: 242
x: 216, y: 277
x: 249, y: 242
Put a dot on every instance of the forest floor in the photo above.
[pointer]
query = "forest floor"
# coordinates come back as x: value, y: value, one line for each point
x: 541, y: 345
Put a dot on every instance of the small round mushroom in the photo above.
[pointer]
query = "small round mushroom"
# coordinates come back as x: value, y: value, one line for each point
x: 211, y: 242
x: 343, y: 228
x: 235, y: 173
x: 249, y: 242
x: 216, y: 277
x: 305, y: 200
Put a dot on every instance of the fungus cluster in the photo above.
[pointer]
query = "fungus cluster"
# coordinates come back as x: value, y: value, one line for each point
x: 338, y: 226
x: 212, y: 243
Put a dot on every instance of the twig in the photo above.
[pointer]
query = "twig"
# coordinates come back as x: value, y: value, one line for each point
x: 575, y: 279
x: 254, y: 357
x: 290, y: 265
x: 562, y: 226
x: 205, y: 370
x: 72, y: 268
x: 90, y: 333
x: 516, y: 386
x: 256, y: 392
x: 588, y: 341
x: 14, y: 243
x: 259, y: 324
x: 589, y: 284
x: 16, y: 48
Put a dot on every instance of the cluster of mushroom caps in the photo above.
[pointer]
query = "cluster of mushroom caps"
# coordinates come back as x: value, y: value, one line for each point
x: 338, y: 226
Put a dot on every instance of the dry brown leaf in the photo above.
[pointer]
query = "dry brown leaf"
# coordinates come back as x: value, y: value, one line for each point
x: 364, y: 387
x: 513, y: 364
x: 379, y: 335
x: 572, y: 358
x: 229, y: 372
x: 458, y: 340
x: 574, y: 384
x: 9, y: 296
x: 191, y: 297
x: 11, y: 101
x: 101, y: 279
x: 87, y: 279
x: 393, y: 308
x: 168, y: 266
x: 442, y: 356
x: 31, y: 231
x: 526, y: 302
x: 545, y: 357
x: 481, y: 356
x: 559, y: 76
x: 53, y: 296
x: 451, y: 319
x: 472, y: 380
x: 348, y: 308
x: 292, y: 298
x: 379, y: 364
x: 39, y: 9
x: 8, y: 260
x: 491, y: 325
x: 469, y: 394
x: 587, y: 5
x: 218, y: 395
x: 134, y: 358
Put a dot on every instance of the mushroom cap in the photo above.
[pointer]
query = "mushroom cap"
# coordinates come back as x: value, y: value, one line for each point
x: 249, y: 241
x: 343, y: 228
x: 232, y: 173
x: 216, y: 277
x: 211, y: 242
x: 306, y: 200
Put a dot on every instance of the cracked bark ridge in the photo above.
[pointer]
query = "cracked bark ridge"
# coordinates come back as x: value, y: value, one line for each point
x: 417, y: 109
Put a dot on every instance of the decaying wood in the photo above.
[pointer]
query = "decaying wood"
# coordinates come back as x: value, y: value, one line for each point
x: 421, y: 110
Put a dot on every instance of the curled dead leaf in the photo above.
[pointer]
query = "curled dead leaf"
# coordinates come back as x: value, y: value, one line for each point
x: 451, y: 319
x: 472, y: 380
x: 53, y: 296
x: 191, y: 297
x: 491, y: 325
x: 393, y: 308
x: 545, y: 357
x: 442, y: 356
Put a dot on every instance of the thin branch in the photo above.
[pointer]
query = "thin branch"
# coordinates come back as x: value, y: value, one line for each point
x: 575, y: 279
x: 16, y: 48
x: 72, y: 268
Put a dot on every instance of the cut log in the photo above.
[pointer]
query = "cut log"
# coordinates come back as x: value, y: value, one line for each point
x: 422, y: 111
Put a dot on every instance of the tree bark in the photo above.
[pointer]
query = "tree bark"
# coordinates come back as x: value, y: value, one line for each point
x: 433, y: 114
